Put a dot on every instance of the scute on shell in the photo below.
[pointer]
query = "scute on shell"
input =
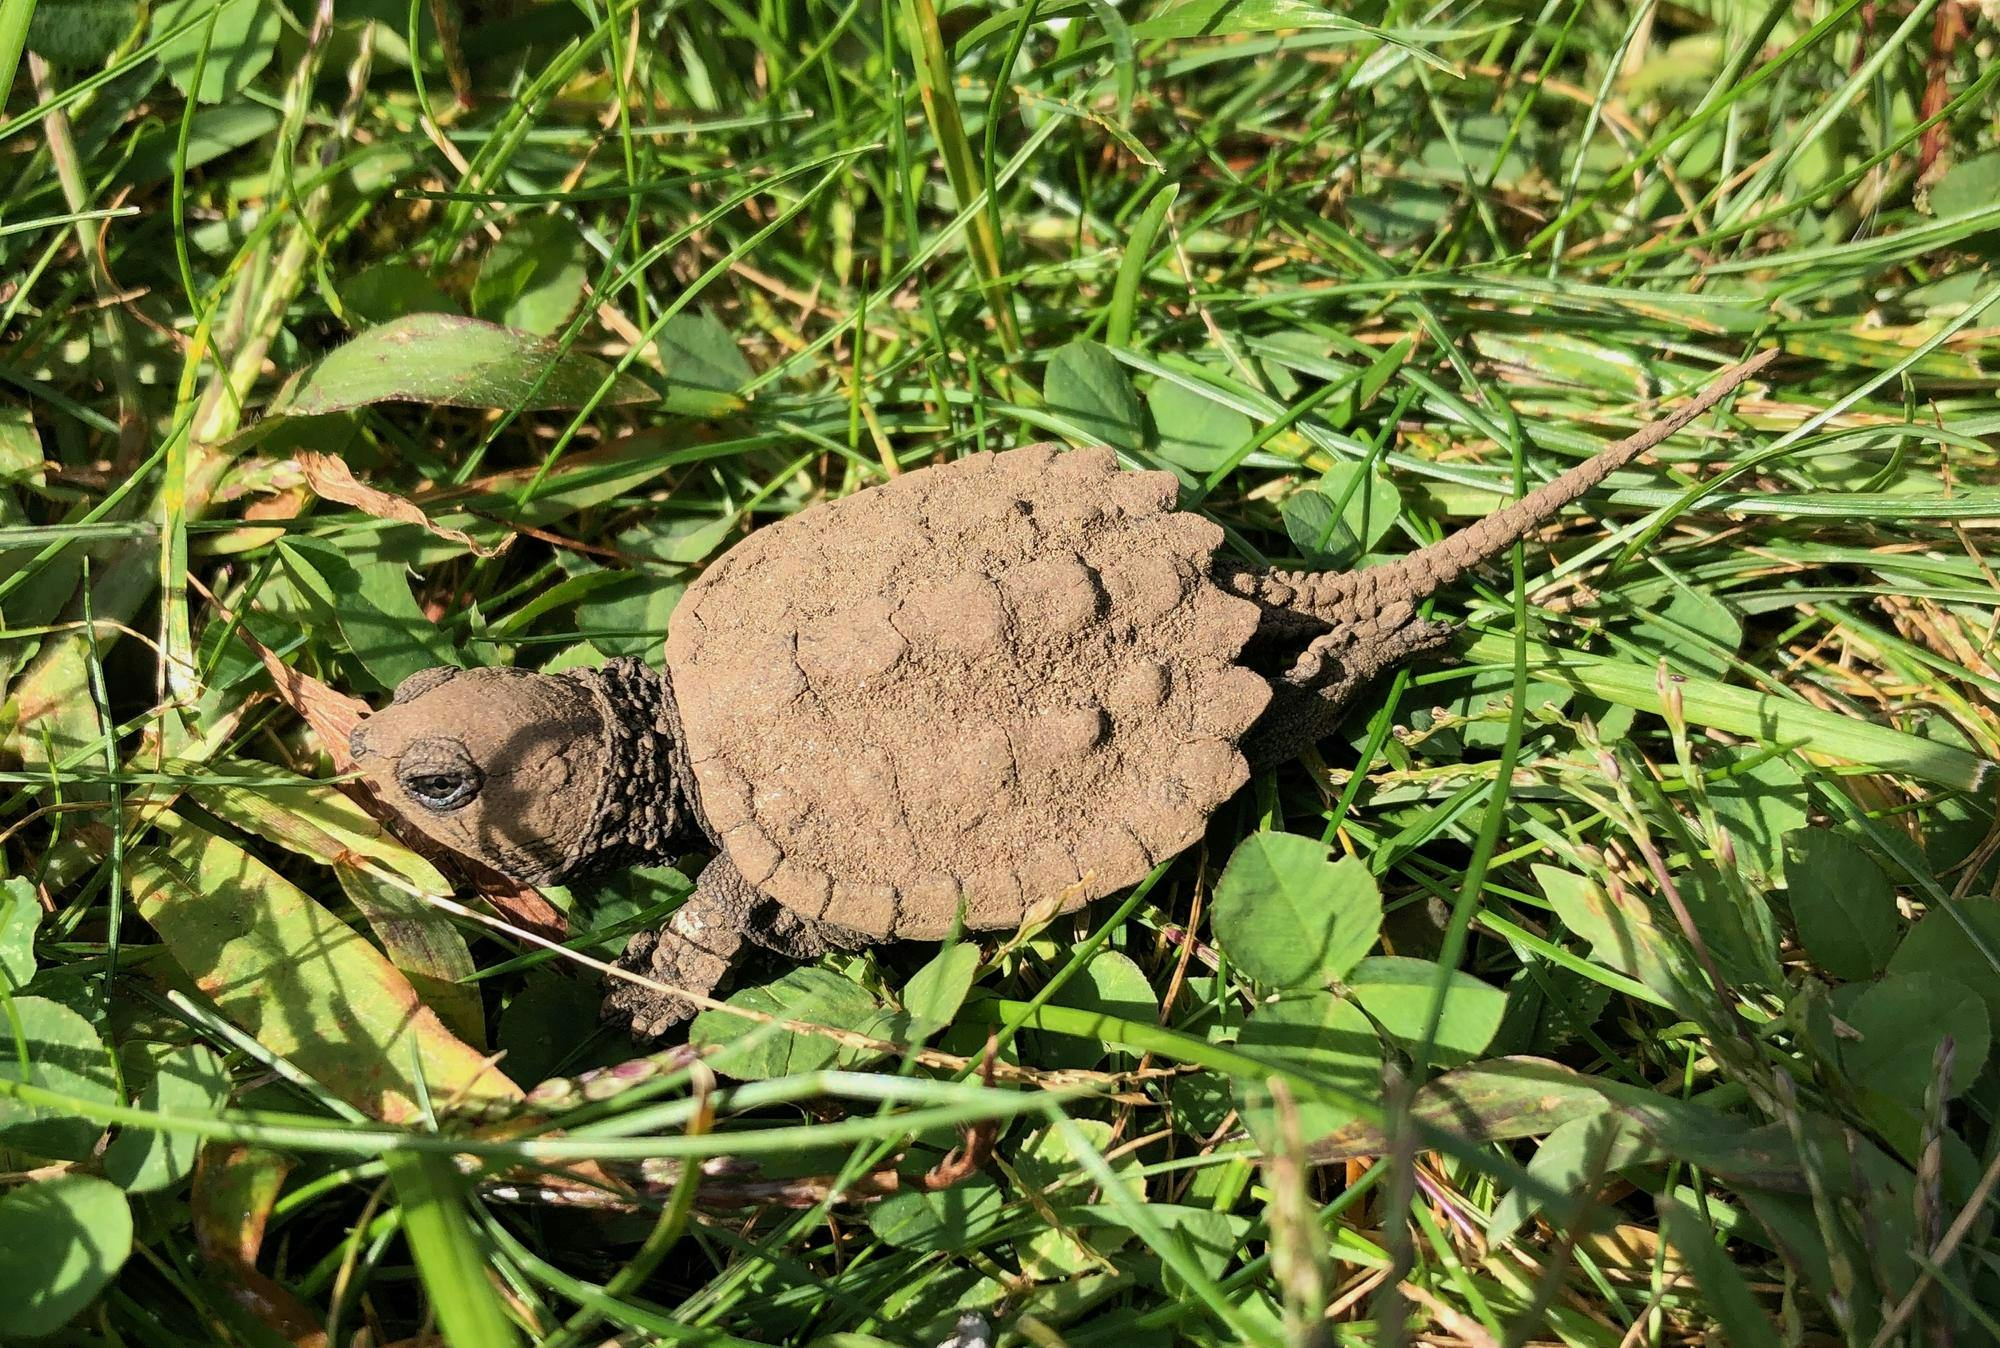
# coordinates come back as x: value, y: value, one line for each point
x: 993, y: 688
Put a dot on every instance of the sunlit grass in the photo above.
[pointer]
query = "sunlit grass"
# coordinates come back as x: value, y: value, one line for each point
x: 1463, y: 248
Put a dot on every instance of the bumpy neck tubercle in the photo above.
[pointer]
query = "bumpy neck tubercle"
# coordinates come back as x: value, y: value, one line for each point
x: 644, y: 814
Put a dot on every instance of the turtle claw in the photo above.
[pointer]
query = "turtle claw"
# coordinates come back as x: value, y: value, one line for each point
x: 695, y: 953
x: 643, y: 1011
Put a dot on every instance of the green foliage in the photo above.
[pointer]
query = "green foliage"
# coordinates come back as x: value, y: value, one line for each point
x: 455, y: 362
x: 1900, y: 1023
x: 1048, y: 1164
x: 936, y: 992
x: 1759, y: 803
x: 1196, y: 431
x: 431, y: 1196
x: 1961, y: 942
x: 1290, y: 915
x: 1132, y: 267
x: 1573, y: 1162
x: 19, y: 916
x: 1726, y: 1293
x: 289, y: 971
x: 533, y: 278
x: 1209, y: 18
x: 1659, y: 907
x: 544, y: 1025
x: 391, y: 290
x: 1968, y: 185
x: 1694, y: 633
x: 1399, y: 993
x: 1329, y: 1041
x: 371, y: 607
x: 1087, y: 388
x: 1844, y: 905
x: 184, y: 1083
x: 80, y: 32
x: 705, y: 372
x: 1350, y: 512
x: 61, y: 1241
x: 1111, y: 984
x: 1315, y: 527
x: 228, y: 43
x: 950, y: 1220
x: 1368, y: 502
x: 56, y: 1049
x: 756, y: 1049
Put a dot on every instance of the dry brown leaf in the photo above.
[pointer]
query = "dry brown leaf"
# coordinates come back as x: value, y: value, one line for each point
x: 329, y: 475
x: 522, y: 905
x: 331, y: 713
x: 235, y: 1189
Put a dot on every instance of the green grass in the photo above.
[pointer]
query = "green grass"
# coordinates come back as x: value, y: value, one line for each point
x: 1676, y: 886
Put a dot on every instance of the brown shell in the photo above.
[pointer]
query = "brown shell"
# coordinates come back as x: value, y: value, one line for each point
x: 1005, y: 683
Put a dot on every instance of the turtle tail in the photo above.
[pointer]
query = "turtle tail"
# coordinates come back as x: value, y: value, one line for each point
x: 1343, y: 597
x: 1325, y: 636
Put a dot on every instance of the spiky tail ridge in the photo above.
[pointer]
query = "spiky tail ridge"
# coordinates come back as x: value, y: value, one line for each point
x: 1421, y: 574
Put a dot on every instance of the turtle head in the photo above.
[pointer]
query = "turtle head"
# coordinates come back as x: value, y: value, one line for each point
x: 540, y: 776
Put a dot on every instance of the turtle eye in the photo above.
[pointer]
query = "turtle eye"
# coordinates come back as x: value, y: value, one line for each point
x: 441, y: 790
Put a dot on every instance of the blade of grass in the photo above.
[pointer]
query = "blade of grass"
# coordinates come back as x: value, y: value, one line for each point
x: 450, y: 1258
x: 14, y: 18
x: 939, y: 94
x: 1132, y: 267
x: 1741, y: 711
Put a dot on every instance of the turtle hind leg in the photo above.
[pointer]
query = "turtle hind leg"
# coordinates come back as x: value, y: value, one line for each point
x: 1309, y: 698
x: 696, y: 951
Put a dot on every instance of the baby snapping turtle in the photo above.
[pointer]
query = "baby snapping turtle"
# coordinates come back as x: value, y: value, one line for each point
x: 986, y: 691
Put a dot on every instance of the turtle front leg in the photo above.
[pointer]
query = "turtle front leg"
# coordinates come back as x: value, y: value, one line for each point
x: 801, y: 939
x: 696, y: 951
